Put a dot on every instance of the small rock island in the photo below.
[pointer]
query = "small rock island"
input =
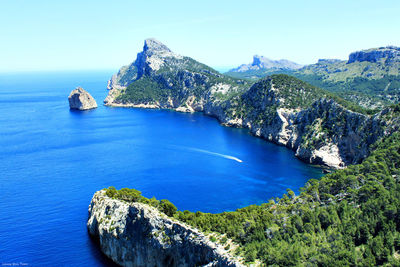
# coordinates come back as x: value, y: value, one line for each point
x: 80, y: 99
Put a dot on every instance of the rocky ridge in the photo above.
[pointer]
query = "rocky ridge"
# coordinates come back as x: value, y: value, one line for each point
x: 136, y: 234
x: 263, y: 63
x: 388, y: 53
x: 81, y: 100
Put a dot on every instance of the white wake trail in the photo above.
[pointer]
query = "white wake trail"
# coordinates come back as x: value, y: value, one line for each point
x: 216, y: 154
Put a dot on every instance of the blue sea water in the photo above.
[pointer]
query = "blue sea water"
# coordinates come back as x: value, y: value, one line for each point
x: 52, y: 160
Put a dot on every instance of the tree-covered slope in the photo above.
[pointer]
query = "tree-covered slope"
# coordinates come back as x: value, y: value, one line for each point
x: 348, y: 218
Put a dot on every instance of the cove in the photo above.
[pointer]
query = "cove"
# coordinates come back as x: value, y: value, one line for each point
x: 52, y: 161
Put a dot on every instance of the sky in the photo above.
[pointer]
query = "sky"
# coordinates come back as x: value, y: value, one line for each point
x: 78, y: 35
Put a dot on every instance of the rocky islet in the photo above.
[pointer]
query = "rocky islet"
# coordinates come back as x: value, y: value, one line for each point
x: 80, y: 99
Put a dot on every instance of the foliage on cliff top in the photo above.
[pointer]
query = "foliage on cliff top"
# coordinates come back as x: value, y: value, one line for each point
x: 133, y: 195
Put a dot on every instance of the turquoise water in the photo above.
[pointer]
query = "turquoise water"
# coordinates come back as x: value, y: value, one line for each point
x: 52, y: 160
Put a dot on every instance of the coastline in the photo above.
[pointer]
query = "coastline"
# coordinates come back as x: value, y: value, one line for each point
x: 325, y: 168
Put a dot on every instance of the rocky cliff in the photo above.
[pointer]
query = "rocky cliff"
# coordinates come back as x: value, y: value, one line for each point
x: 306, y: 120
x: 81, y: 100
x: 388, y: 53
x: 136, y: 234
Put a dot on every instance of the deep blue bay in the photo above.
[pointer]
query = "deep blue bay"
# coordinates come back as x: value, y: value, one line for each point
x: 52, y: 160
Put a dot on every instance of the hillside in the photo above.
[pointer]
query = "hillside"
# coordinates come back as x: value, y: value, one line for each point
x: 348, y: 218
x: 369, y: 77
x: 159, y: 78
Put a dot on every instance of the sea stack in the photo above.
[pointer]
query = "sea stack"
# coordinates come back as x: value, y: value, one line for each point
x: 81, y: 100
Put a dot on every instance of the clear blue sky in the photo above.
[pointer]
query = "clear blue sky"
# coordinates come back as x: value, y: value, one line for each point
x: 46, y: 35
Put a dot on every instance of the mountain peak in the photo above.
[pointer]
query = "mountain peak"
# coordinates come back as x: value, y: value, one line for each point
x: 152, y: 44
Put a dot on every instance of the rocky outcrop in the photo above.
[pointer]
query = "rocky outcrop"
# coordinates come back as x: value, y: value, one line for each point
x: 81, y: 100
x: 263, y: 63
x: 136, y: 234
x: 389, y: 53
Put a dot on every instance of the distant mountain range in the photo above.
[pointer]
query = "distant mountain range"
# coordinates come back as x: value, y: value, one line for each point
x: 263, y: 63
x: 369, y: 77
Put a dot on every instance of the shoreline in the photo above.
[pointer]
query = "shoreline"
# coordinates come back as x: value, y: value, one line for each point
x: 324, y: 168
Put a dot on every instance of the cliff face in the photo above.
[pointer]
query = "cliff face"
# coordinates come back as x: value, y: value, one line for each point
x: 389, y: 53
x: 137, y: 234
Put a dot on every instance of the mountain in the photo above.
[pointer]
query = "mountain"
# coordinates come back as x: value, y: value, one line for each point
x: 263, y: 63
x: 160, y: 78
x: 261, y: 67
x: 370, y: 77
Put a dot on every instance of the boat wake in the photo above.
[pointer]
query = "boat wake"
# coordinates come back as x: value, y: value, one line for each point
x: 215, y: 154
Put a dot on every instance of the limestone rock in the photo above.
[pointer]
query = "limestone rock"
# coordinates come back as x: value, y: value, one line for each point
x: 81, y: 100
x: 136, y: 234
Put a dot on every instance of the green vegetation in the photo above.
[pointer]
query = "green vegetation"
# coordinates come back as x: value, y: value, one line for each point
x: 385, y: 90
x: 348, y: 218
x: 371, y: 84
x: 294, y: 92
x: 144, y: 90
x: 177, y: 79
x: 133, y: 195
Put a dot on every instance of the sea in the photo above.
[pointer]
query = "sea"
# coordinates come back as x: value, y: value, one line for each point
x: 53, y: 159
